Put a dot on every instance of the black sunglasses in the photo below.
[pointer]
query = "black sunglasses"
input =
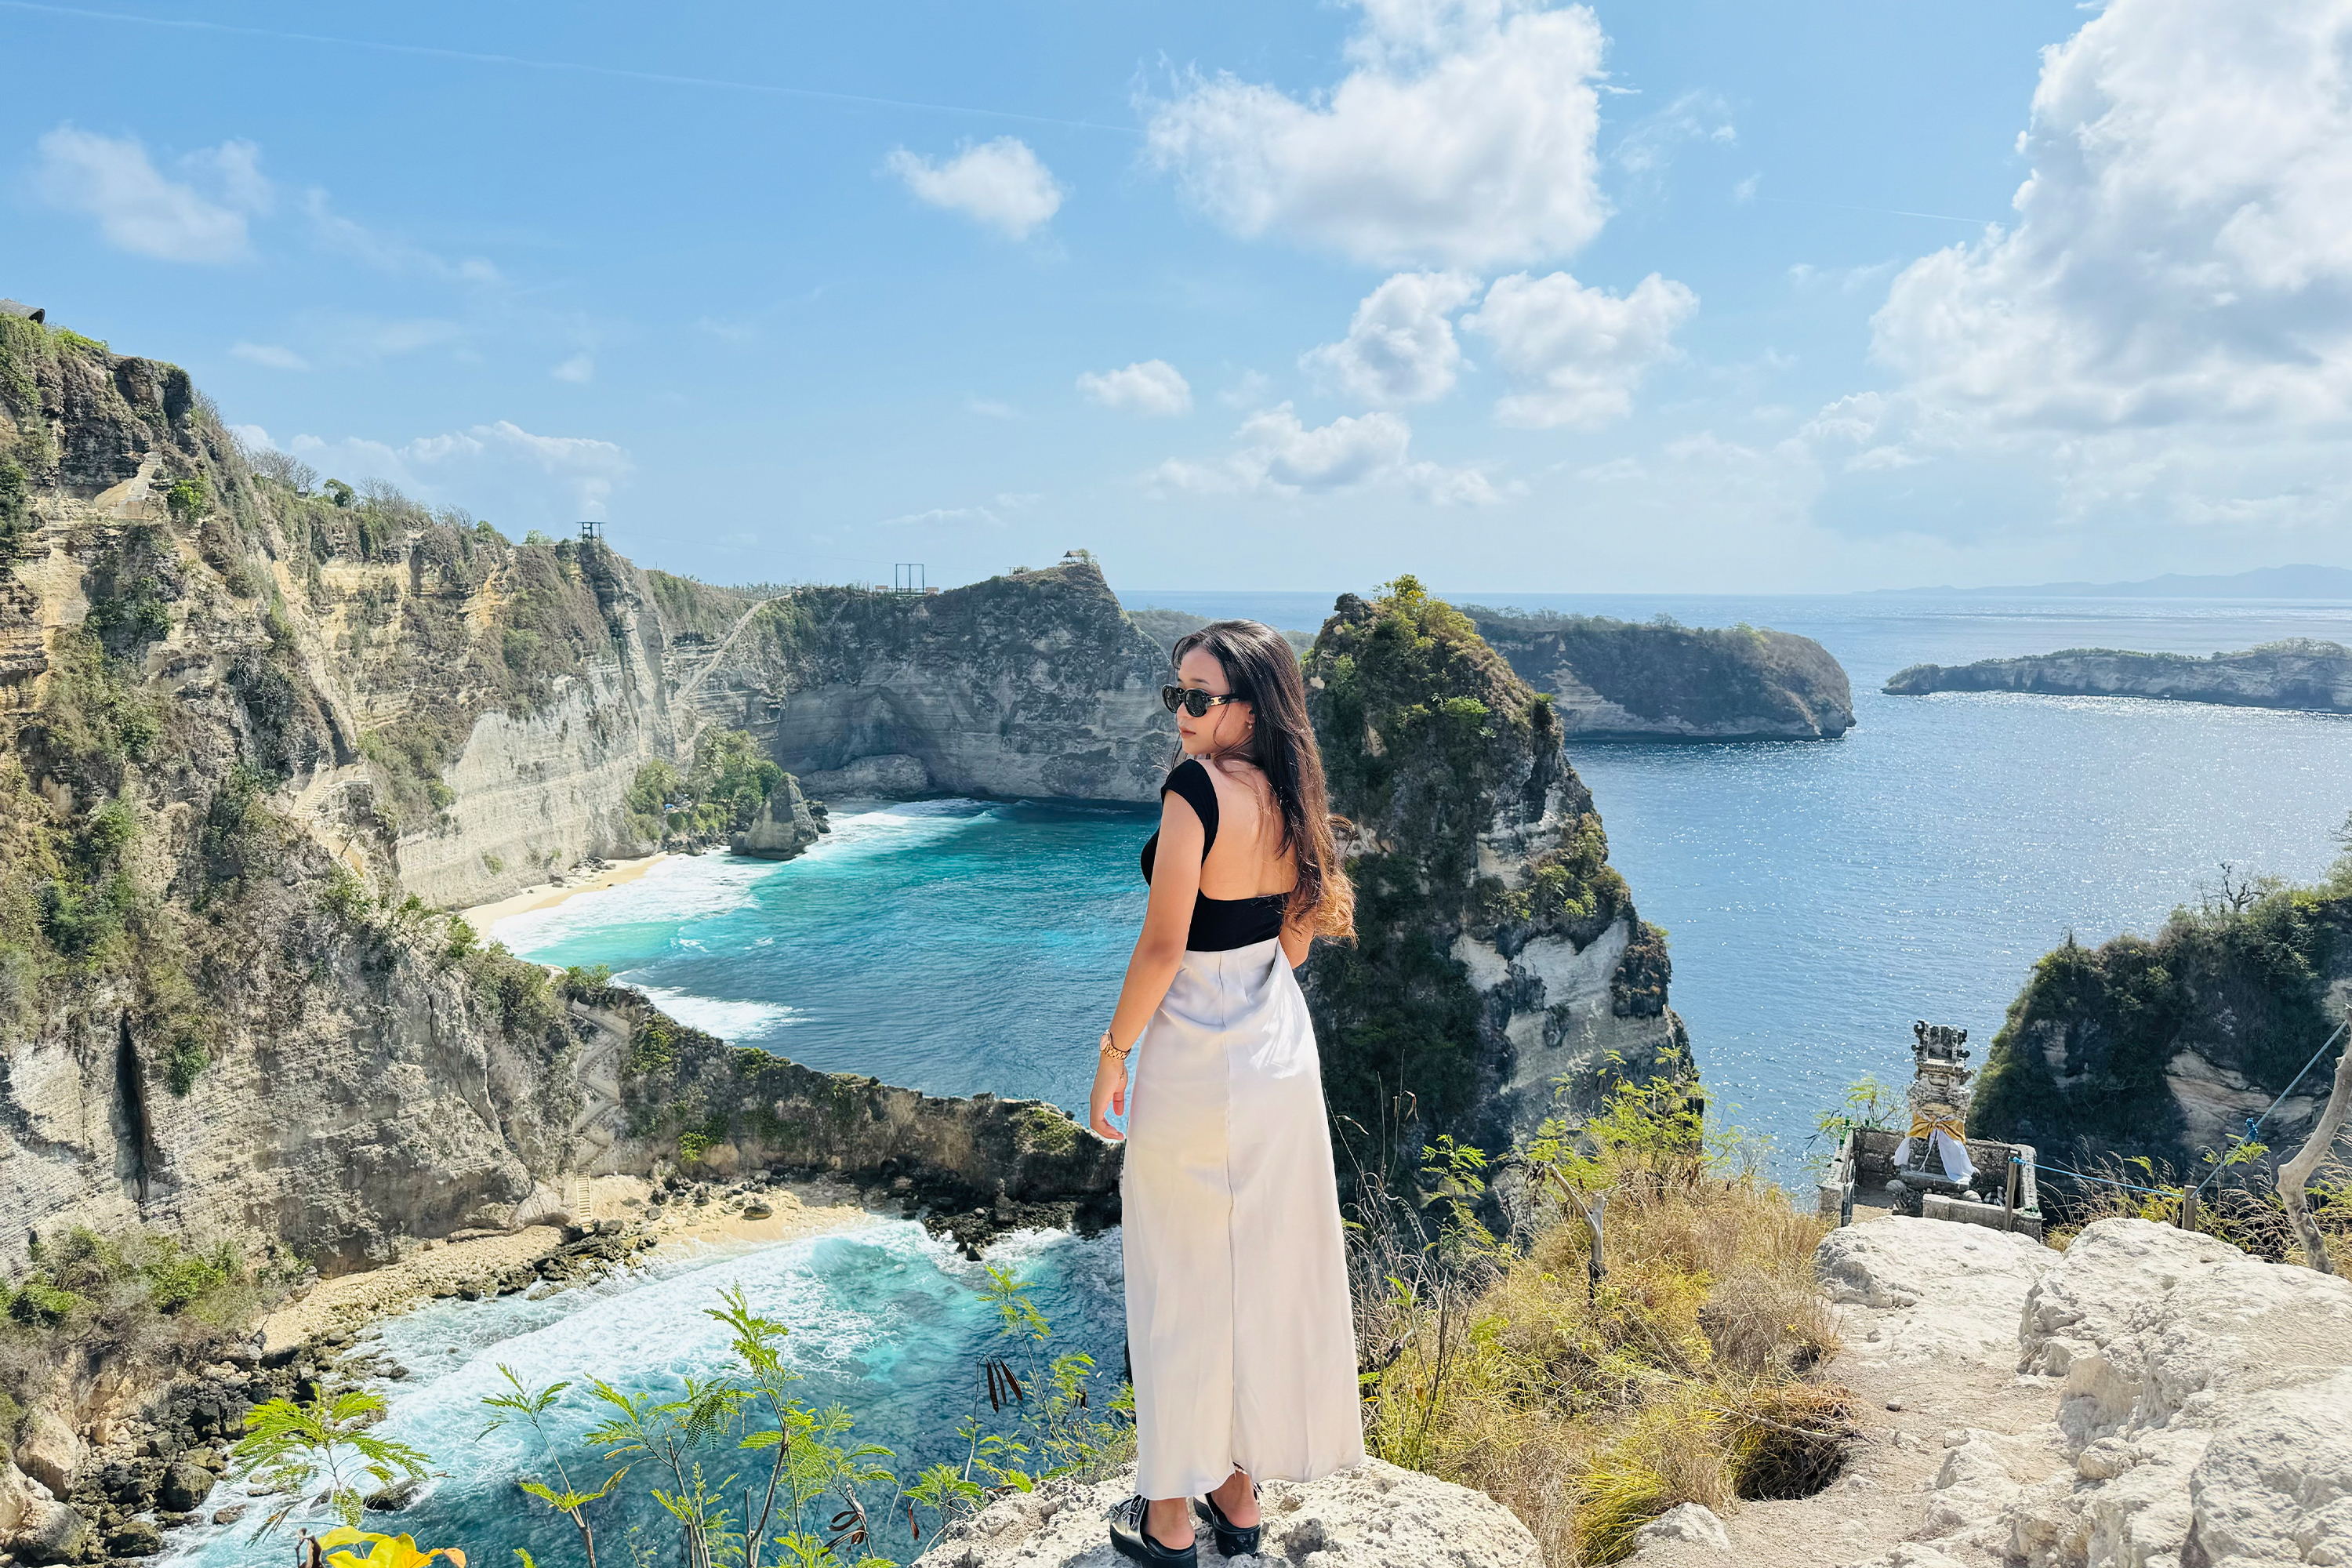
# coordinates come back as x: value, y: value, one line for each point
x: 1194, y: 701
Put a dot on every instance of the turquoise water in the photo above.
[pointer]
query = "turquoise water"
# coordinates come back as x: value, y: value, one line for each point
x: 884, y: 1320
x: 950, y: 946
x: 1820, y: 896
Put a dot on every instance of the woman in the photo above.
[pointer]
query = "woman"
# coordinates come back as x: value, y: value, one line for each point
x: 1237, y: 1319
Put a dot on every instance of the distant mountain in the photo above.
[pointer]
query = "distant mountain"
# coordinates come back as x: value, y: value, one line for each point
x: 2262, y: 583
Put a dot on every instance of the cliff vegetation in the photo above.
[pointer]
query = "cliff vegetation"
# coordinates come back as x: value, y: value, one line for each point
x: 1661, y: 680
x: 1592, y: 1388
x: 1492, y: 932
x: 2146, y: 1057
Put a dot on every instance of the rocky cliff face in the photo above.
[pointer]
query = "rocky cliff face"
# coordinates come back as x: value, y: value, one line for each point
x: 1621, y: 681
x: 2164, y: 1046
x: 1501, y: 971
x: 1031, y: 684
x: 2148, y: 1397
x: 251, y: 727
x: 2299, y: 672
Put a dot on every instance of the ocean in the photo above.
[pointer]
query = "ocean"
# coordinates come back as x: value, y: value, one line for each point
x: 1819, y: 896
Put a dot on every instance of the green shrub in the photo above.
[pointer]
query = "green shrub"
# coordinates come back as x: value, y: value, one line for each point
x: 184, y: 1061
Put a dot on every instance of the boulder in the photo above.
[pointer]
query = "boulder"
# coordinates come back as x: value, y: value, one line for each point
x: 1689, y: 1521
x: 393, y: 1498
x: 184, y: 1486
x: 51, y: 1453
x: 135, y: 1538
x: 1941, y: 1293
x: 17, y: 1499
x: 2205, y: 1403
x: 1374, y: 1516
x: 51, y: 1532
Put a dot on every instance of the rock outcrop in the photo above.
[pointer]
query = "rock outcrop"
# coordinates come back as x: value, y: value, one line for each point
x: 1613, y: 680
x: 2194, y: 1404
x: 2163, y: 1047
x: 980, y: 1165
x: 2299, y: 672
x: 785, y: 827
x: 1033, y: 684
x: 1376, y: 1516
x: 1497, y: 951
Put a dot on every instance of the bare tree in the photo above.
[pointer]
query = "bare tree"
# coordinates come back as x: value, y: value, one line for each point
x: 2298, y: 1171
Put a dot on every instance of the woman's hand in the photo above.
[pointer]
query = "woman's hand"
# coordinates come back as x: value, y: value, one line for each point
x: 1109, y: 1097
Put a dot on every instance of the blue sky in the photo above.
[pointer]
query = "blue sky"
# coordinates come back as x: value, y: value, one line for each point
x: 1676, y: 296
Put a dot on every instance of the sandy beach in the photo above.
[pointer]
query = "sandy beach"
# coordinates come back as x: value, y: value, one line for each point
x: 481, y: 917
x: 350, y: 1301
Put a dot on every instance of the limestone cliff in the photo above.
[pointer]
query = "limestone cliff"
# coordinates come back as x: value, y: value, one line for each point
x: 1031, y: 684
x: 2163, y: 1047
x: 1613, y: 680
x: 2299, y: 672
x: 1500, y: 957
x: 252, y: 725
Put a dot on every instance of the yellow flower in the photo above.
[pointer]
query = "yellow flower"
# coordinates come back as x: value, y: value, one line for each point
x: 384, y: 1550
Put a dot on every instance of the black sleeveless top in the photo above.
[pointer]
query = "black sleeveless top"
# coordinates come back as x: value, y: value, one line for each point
x: 1219, y: 925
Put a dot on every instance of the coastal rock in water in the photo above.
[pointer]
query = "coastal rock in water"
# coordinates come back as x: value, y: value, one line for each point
x: 1375, y: 1516
x: 2298, y: 672
x: 784, y: 827
x: 1497, y: 951
x: 1614, y: 680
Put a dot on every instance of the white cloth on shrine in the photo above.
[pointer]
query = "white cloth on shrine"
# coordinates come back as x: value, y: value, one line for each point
x: 1956, y: 1164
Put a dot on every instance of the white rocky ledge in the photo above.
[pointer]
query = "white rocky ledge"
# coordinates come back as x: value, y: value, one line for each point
x: 1376, y: 1516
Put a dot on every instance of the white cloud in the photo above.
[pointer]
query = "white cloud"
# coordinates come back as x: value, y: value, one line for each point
x: 1152, y: 387
x: 274, y: 355
x: 1649, y: 144
x: 1577, y: 353
x: 940, y: 516
x: 1001, y: 184
x: 139, y: 209
x: 1278, y: 455
x: 2182, y: 253
x: 339, y: 233
x: 990, y: 409
x: 1463, y: 136
x: 499, y: 470
x: 579, y: 370
x: 1399, y: 346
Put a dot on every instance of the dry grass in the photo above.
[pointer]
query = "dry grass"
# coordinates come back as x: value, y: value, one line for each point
x: 1591, y: 1407
x: 2247, y: 1214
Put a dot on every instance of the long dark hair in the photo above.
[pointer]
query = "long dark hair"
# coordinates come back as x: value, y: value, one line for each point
x: 1263, y: 670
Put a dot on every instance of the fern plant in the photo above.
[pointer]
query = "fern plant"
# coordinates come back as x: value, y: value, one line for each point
x: 285, y: 1445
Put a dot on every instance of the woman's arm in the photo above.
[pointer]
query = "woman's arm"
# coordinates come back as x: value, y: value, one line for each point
x: 1159, y: 950
x: 1296, y: 941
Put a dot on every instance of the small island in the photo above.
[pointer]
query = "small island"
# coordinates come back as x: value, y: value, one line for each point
x: 1661, y: 680
x: 2299, y: 673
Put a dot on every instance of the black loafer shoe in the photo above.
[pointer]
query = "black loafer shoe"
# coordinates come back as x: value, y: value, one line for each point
x: 1232, y: 1540
x: 1126, y: 1533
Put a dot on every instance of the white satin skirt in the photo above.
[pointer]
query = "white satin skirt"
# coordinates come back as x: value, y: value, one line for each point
x: 1238, y: 1326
